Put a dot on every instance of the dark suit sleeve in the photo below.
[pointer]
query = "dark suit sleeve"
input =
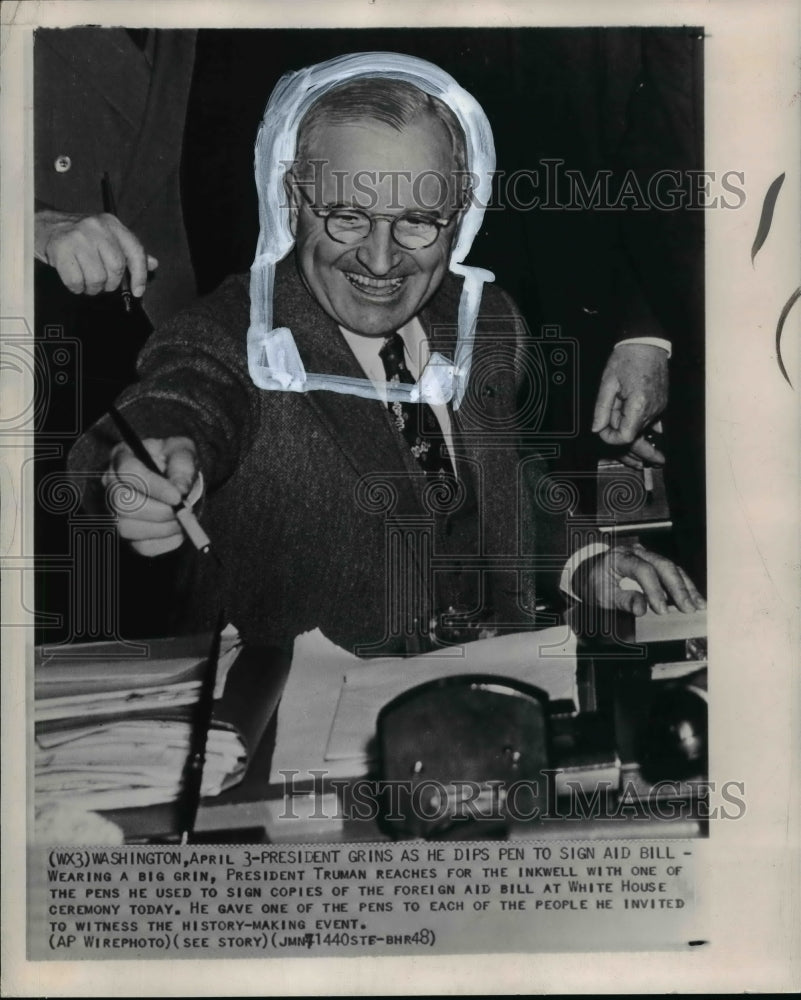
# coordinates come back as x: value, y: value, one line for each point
x: 194, y: 382
x: 663, y: 247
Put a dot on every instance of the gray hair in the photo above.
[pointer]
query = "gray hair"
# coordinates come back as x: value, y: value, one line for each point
x: 392, y: 102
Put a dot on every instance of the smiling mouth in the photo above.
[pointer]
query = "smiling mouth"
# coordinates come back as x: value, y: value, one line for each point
x: 376, y: 288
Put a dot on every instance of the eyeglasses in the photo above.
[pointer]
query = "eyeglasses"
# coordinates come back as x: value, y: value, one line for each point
x: 412, y: 230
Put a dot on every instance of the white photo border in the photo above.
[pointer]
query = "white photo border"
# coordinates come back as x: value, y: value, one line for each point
x: 748, y: 870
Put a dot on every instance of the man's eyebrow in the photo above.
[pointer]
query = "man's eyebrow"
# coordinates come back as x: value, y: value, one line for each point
x: 350, y: 206
x: 341, y: 204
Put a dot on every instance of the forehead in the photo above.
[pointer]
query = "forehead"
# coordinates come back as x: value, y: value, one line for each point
x: 370, y: 163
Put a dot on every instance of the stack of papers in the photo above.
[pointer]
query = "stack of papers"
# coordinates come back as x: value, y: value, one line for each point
x: 127, y: 763
x: 114, y: 732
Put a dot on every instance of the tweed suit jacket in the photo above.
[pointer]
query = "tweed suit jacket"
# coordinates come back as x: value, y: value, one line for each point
x: 320, y: 513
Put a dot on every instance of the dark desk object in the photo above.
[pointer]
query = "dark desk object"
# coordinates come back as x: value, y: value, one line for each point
x: 646, y: 717
x: 448, y: 742
x: 631, y: 497
x: 675, y: 745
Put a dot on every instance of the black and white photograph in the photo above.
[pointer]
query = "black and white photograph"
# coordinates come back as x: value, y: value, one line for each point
x: 394, y: 400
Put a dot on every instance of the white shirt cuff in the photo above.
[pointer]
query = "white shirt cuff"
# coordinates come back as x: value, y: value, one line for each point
x: 650, y: 342
x: 573, y: 563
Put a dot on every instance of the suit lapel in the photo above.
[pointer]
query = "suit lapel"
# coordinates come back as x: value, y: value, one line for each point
x: 439, y: 317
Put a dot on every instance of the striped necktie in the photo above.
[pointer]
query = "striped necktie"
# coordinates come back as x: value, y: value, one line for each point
x: 417, y: 422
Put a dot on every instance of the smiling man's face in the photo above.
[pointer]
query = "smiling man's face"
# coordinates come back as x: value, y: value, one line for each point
x: 374, y: 286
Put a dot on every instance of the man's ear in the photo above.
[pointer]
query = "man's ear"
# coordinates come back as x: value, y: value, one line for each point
x: 293, y: 201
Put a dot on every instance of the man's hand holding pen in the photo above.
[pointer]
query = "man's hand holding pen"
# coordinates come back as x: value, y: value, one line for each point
x: 632, y: 395
x: 146, y: 508
x: 91, y: 252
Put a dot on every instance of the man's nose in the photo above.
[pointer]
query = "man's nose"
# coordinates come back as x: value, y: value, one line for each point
x: 379, y: 253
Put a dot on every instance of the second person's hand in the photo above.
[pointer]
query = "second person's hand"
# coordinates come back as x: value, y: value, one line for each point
x: 91, y: 252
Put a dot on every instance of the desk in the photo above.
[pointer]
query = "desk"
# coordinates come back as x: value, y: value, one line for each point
x: 615, y: 691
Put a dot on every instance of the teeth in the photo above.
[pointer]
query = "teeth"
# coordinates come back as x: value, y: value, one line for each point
x: 374, y: 284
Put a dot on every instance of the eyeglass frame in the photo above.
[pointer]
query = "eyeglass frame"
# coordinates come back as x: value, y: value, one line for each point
x: 326, y: 213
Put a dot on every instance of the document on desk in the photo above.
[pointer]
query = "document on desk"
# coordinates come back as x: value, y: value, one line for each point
x: 331, y: 701
x: 671, y: 625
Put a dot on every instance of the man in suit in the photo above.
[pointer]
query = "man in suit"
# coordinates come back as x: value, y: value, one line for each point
x: 113, y: 100
x: 383, y: 498
x: 108, y: 101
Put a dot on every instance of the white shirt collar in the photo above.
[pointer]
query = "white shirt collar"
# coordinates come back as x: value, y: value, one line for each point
x: 366, y: 350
